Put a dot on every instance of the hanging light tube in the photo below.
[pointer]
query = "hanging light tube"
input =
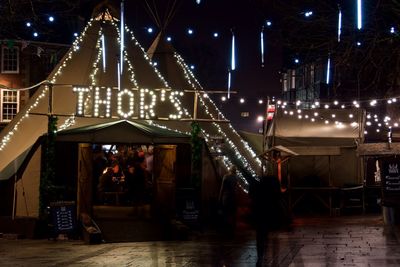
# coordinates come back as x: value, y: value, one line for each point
x: 119, y: 76
x: 229, y: 84
x: 262, y: 46
x: 339, y: 33
x: 233, y: 61
x: 122, y: 37
x: 359, y: 14
x: 103, y: 48
x: 328, y: 70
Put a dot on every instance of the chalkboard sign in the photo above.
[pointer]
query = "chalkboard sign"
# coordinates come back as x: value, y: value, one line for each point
x: 187, y: 206
x: 391, y: 181
x: 63, y: 215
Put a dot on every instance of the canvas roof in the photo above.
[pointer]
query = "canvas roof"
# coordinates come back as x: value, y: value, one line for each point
x: 122, y: 131
x: 378, y: 149
x: 82, y: 66
x: 331, y: 127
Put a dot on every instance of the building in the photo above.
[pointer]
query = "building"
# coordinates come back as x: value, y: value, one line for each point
x: 23, y: 64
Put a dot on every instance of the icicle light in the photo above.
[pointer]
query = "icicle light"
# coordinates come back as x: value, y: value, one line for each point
x: 359, y: 14
x: 339, y: 30
x: 122, y: 31
x: 262, y: 46
x: 233, y: 59
x: 328, y: 70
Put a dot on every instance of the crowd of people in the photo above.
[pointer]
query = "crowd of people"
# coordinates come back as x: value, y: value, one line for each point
x: 127, y: 170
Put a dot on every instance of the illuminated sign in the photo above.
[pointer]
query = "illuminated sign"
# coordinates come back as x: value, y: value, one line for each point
x: 130, y: 103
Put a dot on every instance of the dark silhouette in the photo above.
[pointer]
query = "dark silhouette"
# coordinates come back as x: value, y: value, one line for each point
x: 267, y: 211
x: 227, y: 200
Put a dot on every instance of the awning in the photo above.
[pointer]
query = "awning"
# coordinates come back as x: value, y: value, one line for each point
x: 378, y: 149
x: 123, y: 131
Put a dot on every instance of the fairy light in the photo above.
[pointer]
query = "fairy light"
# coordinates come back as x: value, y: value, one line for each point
x: 7, y: 137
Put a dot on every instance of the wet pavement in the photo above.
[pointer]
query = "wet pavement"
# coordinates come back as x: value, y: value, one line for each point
x: 327, y: 241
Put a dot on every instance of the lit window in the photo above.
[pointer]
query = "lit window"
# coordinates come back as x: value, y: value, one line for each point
x: 9, y: 104
x: 10, y: 60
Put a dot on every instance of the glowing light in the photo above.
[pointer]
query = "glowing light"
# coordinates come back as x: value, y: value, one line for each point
x: 216, y: 35
x: 119, y: 76
x: 359, y: 14
x: 308, y: 14
x: 150, y: 30
x: 296, y: 60
x: 260, y: 101
x: 268, y: 23
x: 103, y: 47
x: 198, y: 2
x: 229, y: 84
x: 169, y: 39
x: 241, y: 100
x: 328, y: 70
x: 190, y: 31
x: 233, y: 61
x: 28, y: 24
x: 262, y: 46
x: 35, y: 34
x: 373, y: 102
x: 339, y: 31
x: 122, y: 33
x: 358, y: 43
x: 51, y: 18
x: 223, y: 98
x: 336, y: 102
x: 392, y: 30
x: 260, y: 118
x: 192, y: 67
x: 75, y: 34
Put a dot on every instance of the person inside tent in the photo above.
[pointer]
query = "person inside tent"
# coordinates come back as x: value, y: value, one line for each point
x: 112, y: 180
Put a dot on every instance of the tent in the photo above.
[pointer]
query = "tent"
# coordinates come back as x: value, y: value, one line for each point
x: 326, y: 142
x: 98, y: 97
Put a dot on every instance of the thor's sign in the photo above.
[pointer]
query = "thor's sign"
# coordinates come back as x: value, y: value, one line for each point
x: 127, y: 103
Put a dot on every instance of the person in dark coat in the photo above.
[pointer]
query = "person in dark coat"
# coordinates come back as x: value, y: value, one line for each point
x: 266, y: 209
x: 227, y: 199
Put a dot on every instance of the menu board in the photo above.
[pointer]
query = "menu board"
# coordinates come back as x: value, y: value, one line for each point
x: 391, y: 180
x: 63, y: 215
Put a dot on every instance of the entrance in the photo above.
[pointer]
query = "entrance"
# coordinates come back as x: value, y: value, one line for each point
x: 129, y: 189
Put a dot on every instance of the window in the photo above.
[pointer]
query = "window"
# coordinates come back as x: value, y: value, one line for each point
x: 9, y: 105
x: 10, y: 60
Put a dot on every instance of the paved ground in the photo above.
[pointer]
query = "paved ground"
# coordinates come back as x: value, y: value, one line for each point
x: 329, y: 241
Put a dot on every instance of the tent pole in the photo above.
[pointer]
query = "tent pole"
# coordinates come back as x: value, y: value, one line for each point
x: 195, y: 106
x: 14, y: 197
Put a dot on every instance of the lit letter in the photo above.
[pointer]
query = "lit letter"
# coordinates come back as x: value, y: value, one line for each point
x: 130, y: 102
x: 177, y: 104
x: 79, y: 105
x: 106, y: 102
x: 147, y: 110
